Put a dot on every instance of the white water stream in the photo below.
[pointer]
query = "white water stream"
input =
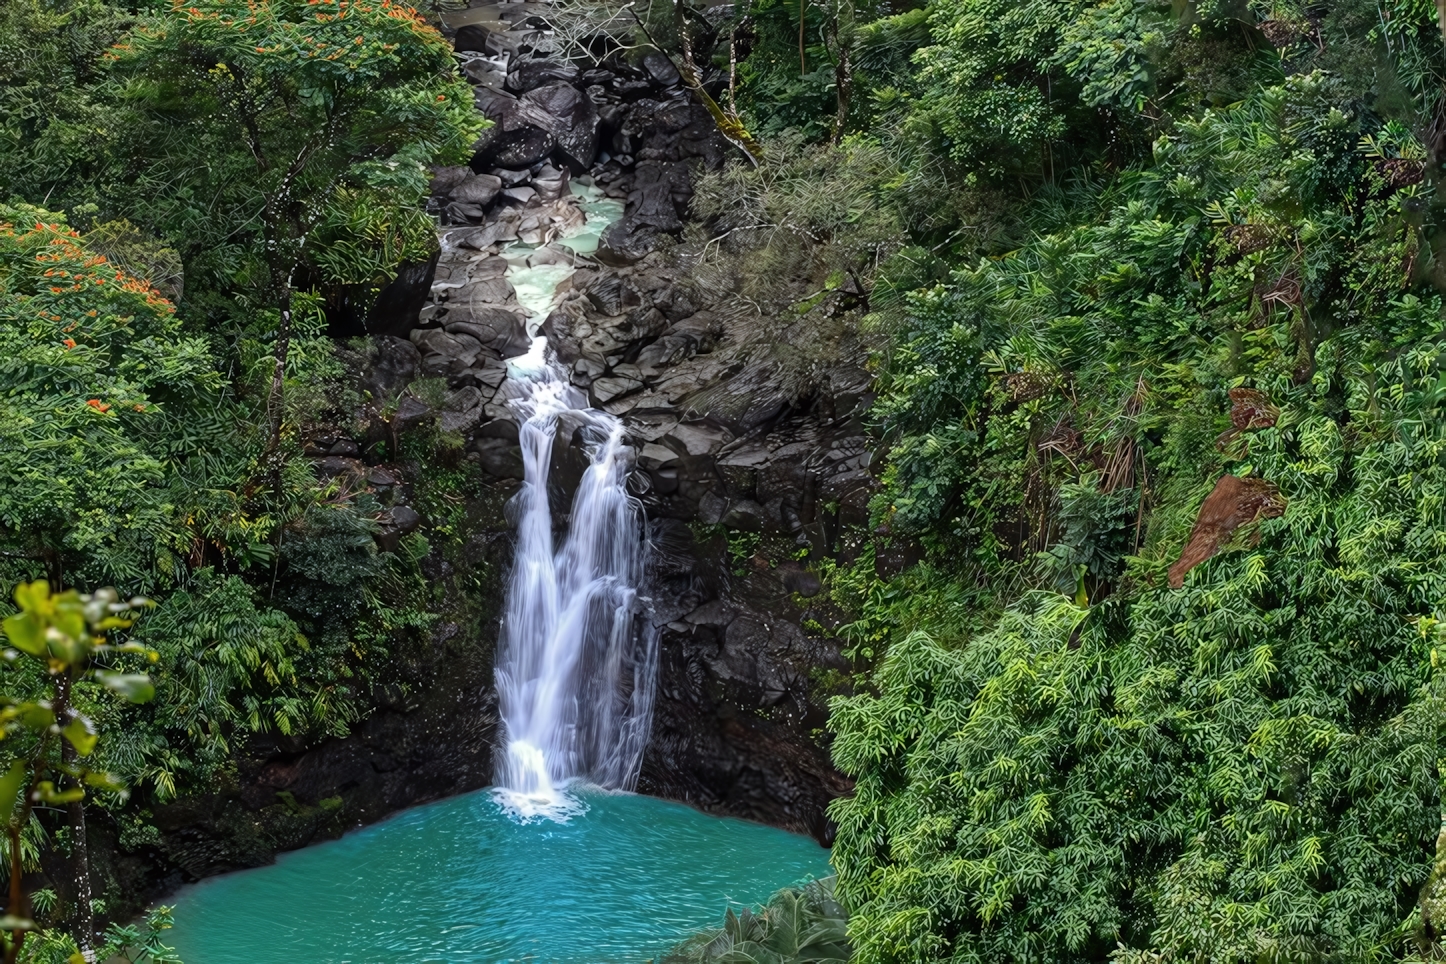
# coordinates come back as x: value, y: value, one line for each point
x: 576, y: 664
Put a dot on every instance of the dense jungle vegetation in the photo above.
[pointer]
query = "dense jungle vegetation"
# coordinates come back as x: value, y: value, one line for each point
x: 187, y: 194
x: 1153, y: 295
x: 1156, y: 311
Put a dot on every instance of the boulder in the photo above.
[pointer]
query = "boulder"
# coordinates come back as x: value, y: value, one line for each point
x: 611, y: 295
x: 463, y: 410
x: 610, y: 387
x: 521, y: 147
x: 444, y: 179
x: 569, y: 116
x: 510, y: 178
x: 472, y: 37
x: 497, y: 106
x: 394, y: 363
x: 478, y: 189
x: 399, y: 303
x: 651, y: 212
x: 405, y: 518
x: 661, y: 70
x: 551, y: 183
x: 499, y: 457
x: 797, y: 579
x: 696, y: 438
x: 411, y: 412
x: 500, y: 330
x: 526, y: 75
x: 481, y: 291
x: 443, y: 353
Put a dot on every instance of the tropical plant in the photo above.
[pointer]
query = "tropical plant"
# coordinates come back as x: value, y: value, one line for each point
x: 1240, y: 768
x: 99, y: 391
x: 266, y: 125
x: 59, y: 650
x: 798, y: 925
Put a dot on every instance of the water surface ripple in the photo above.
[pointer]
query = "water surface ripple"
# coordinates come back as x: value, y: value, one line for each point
x: 462, y: 882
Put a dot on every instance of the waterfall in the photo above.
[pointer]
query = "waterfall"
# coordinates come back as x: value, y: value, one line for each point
x: 576, y: 664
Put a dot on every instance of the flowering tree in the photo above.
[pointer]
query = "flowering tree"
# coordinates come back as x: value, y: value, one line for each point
x: 257, y: 118
x: 98, y: 386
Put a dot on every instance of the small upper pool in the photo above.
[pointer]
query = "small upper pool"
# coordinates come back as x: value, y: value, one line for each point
x: 462, y: 882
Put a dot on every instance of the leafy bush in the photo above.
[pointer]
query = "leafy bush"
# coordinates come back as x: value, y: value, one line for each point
x: 1242, y: 769
x: 799, y: 925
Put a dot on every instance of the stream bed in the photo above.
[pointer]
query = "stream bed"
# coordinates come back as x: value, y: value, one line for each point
x: 463, y: 881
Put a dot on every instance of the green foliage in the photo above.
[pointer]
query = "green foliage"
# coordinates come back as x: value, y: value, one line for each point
x: 46, y: 738
x: 95, y: 378
x: 129, y: 944
x: 56, y: 116
x: 1090, y: 765
x: 290, y: 136
x: 799, y: 925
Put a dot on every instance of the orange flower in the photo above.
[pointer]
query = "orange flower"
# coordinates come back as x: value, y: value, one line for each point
x: 98, y: 405
x: 69, y: 343
x: 139, y: 407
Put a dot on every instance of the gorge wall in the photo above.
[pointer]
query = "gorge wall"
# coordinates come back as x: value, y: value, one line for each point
x: 743, y: 478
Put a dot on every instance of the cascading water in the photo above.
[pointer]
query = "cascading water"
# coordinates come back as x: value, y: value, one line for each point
x: 576, y: 665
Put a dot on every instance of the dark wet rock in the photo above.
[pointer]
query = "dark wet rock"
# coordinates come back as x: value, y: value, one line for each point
x: 478, y: 189
x: 393, y: 363
x: 528, y: 75
x: 463, y: 410
x: 510, y: 178
x: 520, y: 147
x: 502, y: 428
x: 480, y: 291
x: 612, y: 295
x: 444, y: 179
x: 660, y: 68
x: 550, y: 183
x: 399, y: 303
x: 799, y: 580
x: 411, y: 412
x: 445, y: 354
x: 472, y: 37
x: 568, y: 115
x: 500, y: 330
x: 499, y: 457
x: 736, y: 698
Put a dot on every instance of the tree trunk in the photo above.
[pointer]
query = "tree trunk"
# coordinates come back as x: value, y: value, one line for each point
x: 79, y: 845
x: 843, y: 87
x: 802, y: 16
x: 80, y: 848
x: 276, y: 396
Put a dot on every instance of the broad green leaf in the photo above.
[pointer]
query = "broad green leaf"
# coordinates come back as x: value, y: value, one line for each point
x: 135, y: 687
x: 37, y: 716
x: 81, y: 735
x: 25, y: 633
x: 103, y: 780
x: 10, y: 785
x: 46, y: 792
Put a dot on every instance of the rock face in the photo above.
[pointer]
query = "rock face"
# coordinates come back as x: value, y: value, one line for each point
x: 726, y: 454
x: 740, y: 479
